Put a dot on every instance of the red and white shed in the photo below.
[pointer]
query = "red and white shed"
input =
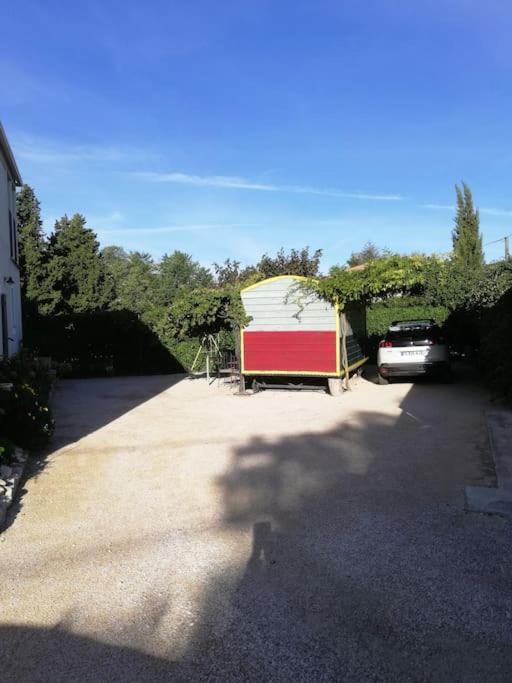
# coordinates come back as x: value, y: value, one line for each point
x: 295, y: 332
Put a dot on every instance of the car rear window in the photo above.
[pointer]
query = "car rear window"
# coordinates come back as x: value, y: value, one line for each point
x: 418, y: 334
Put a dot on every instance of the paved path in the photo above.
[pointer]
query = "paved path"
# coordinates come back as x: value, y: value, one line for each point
x: 178, y: 532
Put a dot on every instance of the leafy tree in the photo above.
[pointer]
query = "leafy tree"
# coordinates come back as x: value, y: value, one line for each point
x: 116, y: 262
x: 178, y: 270
x: 447, y: 284
x: 33, y: 251
x: 204, y: 311
x: 138, y: 288
x: 467, y: 240
x: 369, y: 252
x: 295, y: 263
x: 75, y: 270
x: 230, y: 272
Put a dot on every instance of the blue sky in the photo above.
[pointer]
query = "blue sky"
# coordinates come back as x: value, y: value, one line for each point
x: 234, y: 128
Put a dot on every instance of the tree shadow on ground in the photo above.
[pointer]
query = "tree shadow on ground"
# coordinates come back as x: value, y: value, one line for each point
x: 56, y: 655
x: 81, y: 407
x: 94, y: 345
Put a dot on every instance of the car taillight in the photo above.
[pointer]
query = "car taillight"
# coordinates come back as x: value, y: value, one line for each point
x: 385, y: 344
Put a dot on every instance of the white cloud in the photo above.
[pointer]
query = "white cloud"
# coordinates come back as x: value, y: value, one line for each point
x: 491, y: 211
x: 115, y: 217
x: 488, y: 210
x: 43, y: 151
x: 49, y: 155
x: 235, y: 182
x: 174, y: 228
x: 442, y: 207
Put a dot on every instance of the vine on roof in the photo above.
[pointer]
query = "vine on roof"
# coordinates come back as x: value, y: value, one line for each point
x: 388, y: 276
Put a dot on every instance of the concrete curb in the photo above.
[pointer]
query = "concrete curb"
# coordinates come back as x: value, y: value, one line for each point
x: 496, y: 500
x: 10, y: 477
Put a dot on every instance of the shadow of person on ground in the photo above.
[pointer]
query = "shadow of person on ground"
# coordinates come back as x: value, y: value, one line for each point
x: 360, y: 553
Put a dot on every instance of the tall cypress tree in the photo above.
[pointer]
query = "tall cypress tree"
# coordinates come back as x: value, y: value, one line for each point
x: 33, y: 252
x: 467, y: 240
x: 76, y: 271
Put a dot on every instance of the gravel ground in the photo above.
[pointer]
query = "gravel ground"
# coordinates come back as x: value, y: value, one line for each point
x: 178, y: 532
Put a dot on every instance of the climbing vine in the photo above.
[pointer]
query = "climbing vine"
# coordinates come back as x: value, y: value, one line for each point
x: 389, y: 276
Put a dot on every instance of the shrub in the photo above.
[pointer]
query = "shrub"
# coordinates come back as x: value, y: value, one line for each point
x: 185, y: 350
x: 25, y: 417
x: 7, y: 449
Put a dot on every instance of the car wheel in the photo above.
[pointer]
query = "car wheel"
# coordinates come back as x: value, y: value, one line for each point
x: 382, y: 380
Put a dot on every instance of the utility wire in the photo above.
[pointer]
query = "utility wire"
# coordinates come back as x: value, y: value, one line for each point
x: 499, y: 240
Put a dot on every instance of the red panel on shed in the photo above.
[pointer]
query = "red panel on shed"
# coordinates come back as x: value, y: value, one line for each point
x: 290, y: 351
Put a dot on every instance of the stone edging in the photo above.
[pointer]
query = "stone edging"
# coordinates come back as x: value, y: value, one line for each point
x: 496, y: 500
x: 10, y: 477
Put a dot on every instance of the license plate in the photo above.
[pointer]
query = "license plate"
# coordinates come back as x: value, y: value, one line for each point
x: 413, y: 353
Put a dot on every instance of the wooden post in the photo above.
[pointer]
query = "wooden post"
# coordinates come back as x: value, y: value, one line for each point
x: 237, y: 333
x: 238, y: 353
x: 344, y: 355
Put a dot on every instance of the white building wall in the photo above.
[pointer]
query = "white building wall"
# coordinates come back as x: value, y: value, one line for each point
x: 9, y: 270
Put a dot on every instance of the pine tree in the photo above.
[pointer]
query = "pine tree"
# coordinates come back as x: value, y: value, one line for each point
x: 33, y: 252
x: 467, y: 240
x: 76, y: 271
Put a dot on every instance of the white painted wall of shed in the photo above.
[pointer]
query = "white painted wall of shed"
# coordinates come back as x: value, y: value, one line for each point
x: 281, y: 305
x: 9, y: 269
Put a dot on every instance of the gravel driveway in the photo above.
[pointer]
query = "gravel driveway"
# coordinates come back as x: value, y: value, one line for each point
x: 178, y: 532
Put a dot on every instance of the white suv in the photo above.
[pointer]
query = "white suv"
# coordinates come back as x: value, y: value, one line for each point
x: 413, y: 347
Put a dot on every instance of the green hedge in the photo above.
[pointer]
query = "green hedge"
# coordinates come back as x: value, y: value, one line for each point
x: 496, y: 347
x: 111, y: 343
x: 100, y: 343
x: 381, y: 314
